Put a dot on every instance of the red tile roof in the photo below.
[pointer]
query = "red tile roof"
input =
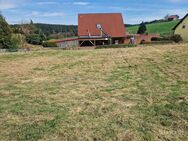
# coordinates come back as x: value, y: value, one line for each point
x: 66, y: 40
x: 173, y: 17
x: 112, y: 24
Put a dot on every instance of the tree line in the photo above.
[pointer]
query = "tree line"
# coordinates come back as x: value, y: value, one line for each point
x: 12, y: 38
x: 17, y: 36
x: 66, y: 30
x: 54, y: 31
x: 7, y: 38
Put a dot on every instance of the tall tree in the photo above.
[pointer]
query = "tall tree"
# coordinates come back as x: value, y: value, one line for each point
x: 166, y: 17
x: 5, y: 33
x: 142, y: 28
x: 31, y: 22
x: 28, y: 28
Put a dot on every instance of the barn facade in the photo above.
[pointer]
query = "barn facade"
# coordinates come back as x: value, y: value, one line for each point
x: 100, y: 29
x: 103, y: 29
x: 66, y: 43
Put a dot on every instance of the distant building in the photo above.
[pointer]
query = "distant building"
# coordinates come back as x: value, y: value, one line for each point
x: 172, y: 17
x: 182, y: 28
x: 100, y: 29
x: 103, y: 29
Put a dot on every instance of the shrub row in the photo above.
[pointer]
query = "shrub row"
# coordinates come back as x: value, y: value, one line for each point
x: 49, y: 44
x: 160, y: 39
x: 175, y: 38
x: 116, y: 46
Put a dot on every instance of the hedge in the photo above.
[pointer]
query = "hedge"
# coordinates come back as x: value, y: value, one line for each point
x: 49, y: 44
x: 116, y: 46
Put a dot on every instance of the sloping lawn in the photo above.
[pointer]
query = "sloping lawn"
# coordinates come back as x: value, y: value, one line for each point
x: 162, y: 28
x: 114, y: 94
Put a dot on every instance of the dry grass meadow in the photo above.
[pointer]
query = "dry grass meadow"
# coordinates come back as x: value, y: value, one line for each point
x: 130, y: 94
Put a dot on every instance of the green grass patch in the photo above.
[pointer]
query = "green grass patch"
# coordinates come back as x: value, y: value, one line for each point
x: 163, y: 28
x: 116, y: 46
x: 114, y: 94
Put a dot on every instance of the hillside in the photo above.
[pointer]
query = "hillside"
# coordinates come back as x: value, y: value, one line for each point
x: 52, y: 29
x: 163, y: 28
x: 127, y: 94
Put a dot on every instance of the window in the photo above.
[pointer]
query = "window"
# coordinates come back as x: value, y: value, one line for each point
x: 183, y: 26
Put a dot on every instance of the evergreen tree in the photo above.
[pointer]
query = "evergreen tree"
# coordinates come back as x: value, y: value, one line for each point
x: 5, y: 34
x: 142, y: 28
x: 166, y: 17
x: 31, y: 22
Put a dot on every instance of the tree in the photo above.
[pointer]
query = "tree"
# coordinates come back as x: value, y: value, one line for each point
x: 41, y: 34
x: 142, y: 28
x: 31, y: 22
x: 28, y: 28
x: 166, y: 17
x: 5, y: 35
x: 19, y: 40
x: 34, y: 39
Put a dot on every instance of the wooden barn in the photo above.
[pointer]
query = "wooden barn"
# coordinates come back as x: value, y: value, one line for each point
x: 100, y: 29
x: 66, y: 43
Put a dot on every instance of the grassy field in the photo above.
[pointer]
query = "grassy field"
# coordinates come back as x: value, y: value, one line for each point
x: 163, y: 28
x: 114, y: 94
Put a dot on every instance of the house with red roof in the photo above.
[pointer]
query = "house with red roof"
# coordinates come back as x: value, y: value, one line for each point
x: 172, y: 17
x: 100, y: 29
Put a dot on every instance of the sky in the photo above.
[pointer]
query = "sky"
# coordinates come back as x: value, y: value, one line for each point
x: 66, y: 11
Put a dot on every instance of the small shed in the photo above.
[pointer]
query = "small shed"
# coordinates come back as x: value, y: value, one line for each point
x: 69, y: 42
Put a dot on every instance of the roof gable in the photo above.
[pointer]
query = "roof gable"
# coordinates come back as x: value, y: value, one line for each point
x: 112, y: 24
x: 180, y: 22
x: 173, y: 16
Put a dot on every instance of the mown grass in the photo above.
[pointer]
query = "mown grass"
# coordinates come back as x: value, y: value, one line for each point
x: 115, y: 94
x: 163, y: 28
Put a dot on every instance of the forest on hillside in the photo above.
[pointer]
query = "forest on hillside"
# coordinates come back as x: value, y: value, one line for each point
x: 62, y: 31
x: 54, y: 31
x: 67, y: 30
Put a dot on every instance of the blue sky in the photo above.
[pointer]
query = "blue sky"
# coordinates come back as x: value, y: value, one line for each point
x: 66, y: 11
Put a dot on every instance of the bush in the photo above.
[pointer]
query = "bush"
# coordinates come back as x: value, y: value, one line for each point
x: 5, y: 33
x: 157, y: 39
x: 116, y: 46
x: 176, y: 38
x: 18, y: 39
x: 49, y: 44
x: 13, y: 47
x: 7, y: 41
x: 34, y: 39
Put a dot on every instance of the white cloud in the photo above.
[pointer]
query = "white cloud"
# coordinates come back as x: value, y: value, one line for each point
x: 176, y: 1
x: 139, y: 19
x: 46, y: 3
x: 7, y: 4
x: 81, y: 3
x: 53, y: 14
x: 35, y: 13
x: 131, y: 9
x: 180, y: 12
x: 46, y: 14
